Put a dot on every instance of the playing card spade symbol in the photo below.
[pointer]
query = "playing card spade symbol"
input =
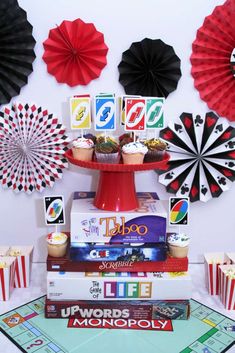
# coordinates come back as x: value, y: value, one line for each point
x: 169, y: 175
x: 219, y: 128
x: 198, y: 120
x: 184, y: 189
x: 230, y: 144
x: 178, y: 128
x: 204, y: 190
x: 221, y: 180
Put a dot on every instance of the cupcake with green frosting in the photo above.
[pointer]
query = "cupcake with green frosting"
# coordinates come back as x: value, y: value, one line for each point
x: 107, y: 150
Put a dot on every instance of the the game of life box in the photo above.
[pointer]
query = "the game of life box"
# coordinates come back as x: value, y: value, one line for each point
x: 118, y: 286
x: 147, y: 224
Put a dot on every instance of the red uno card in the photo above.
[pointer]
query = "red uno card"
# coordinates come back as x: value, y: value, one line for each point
x: 135, y: 114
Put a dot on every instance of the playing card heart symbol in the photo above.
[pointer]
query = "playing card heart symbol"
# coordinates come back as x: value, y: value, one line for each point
x: 194, y: 191
x: 227, y: 172
x: 210, y: 121
x: 175, y: 185
x: 232, y: 154
x: 204, y: 190
x: 226, y: 135
x: 214, y: 188
x: 168, y: 135
x: 187, y: 122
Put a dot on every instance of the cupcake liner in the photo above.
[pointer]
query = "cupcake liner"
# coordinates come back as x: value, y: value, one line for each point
x: 155, y: 155
x: 112, y: 158
x: 133, y: 158
x: 83, y: 154
x: 178, y: 252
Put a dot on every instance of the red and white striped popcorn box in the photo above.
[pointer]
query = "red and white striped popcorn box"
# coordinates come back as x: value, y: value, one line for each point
x: 227, y: 285
x: 7, y: 276
x: 231, y: 256
x: 4, y: 250
x: 23, y: 255
x: 212, y: 272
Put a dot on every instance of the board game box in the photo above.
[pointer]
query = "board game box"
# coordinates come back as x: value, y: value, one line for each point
x: 66, y: 264
x: 126, y: 309
x: 147, y: 224
x: 118, y: 252
x: 205, y: 331
x: 118, y: 286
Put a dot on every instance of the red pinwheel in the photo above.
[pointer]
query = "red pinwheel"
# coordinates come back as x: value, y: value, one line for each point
x: 213, y: 60
x: 75, y: 52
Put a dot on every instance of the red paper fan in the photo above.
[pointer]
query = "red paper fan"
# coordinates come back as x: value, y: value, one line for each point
x: 213, y: 61
x: 75, y: 52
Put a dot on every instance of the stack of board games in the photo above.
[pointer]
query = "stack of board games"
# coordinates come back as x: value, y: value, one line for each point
x: 117, y: 265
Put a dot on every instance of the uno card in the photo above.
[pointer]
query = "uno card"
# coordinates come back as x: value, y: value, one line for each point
x: 135, y: 114
x: 105, y: 112
x: 154, y: 113
x: 122, y: 107
x: 54, y: 210
x: 80, y: 112
x: 178, y: 210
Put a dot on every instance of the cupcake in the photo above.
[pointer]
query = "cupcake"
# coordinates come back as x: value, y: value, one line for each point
x: 133, y: 153
x: 156, y: 150
x: 125, y: 139
x: 178, y: 245
x: 83, y: 149
x: 57, y: 244
x: 107, y: 151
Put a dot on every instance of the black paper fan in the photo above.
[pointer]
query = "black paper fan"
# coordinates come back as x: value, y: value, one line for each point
x: 149, y: 68
x: 16, y: 49
x: 202, y: 163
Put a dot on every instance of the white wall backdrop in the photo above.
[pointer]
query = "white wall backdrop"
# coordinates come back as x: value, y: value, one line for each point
x: 212, y: 225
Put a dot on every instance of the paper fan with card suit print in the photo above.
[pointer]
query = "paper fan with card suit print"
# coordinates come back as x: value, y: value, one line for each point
x: 17, y: 54
x: 202, y: 162
x: 75, y: 52
x: 213, y: 60
x: 32, y: 147
x: 149, y: 68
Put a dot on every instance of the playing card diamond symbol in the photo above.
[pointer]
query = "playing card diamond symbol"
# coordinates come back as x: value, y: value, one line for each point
x: 202, y: 163
x: 32, y: 147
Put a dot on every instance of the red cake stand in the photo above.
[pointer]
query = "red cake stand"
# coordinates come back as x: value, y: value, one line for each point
x: 116, y: 188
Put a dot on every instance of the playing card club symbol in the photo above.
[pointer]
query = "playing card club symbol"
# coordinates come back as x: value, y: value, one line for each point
x: 187, y: 168
x: 230, y: 144
x: 184, y: 189
x: 198, y: 120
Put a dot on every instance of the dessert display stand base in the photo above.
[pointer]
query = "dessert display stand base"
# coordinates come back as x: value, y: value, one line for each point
x: 117, y: 181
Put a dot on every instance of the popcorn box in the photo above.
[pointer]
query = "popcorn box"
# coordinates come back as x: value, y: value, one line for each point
x: 23, y: 255
x: 147, y: 224
x: 7, y: 275
x: 4, y: 250
x: 118, y: 286
x: 227, y: 286
x: 212, y: 263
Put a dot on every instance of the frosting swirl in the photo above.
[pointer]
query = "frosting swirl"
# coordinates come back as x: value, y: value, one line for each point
x: 82, y: 142
x: 134, y: 147
x: 180, y: 240
x: 57, y: 238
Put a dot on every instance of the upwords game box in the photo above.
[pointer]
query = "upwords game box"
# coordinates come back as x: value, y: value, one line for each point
x: 147, y: 224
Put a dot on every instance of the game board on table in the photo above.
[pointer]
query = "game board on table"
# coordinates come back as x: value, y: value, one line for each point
x: 207, y: 331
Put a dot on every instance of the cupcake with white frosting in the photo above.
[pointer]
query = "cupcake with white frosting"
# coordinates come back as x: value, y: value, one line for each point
x: 83, y: 149
x: 57, y: 244
x: 178, y: 245
x: 133, y: 153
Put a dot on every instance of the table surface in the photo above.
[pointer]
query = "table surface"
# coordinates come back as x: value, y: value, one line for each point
x: 38, y: 288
